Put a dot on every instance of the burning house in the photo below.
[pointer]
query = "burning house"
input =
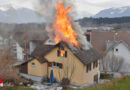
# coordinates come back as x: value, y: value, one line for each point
x: 81, y: 66
x: 66, y: 55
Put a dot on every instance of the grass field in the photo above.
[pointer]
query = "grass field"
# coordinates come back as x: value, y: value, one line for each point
x: 16, y: 88
x: 122, y: 83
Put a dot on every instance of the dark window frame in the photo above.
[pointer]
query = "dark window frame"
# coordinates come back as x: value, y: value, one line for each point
x: 95, y: 64
x: 56, y: 65
x: 33, y: 64
x: 65, y: 54
x: 88, y: 68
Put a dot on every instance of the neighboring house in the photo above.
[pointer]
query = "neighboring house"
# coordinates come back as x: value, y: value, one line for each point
x: 3, y: 42
x: 16, y: 49
x: 98, y: 39
x: 121, y: 50
x: 81, y: 66
x: 19, y: 49
x: 10, y: 44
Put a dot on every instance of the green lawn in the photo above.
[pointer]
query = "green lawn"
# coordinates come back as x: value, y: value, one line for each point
x: 122, y: 83
x: 16, y: 88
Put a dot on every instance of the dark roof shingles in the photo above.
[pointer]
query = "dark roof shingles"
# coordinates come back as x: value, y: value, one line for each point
x: 41, y: 50
x: 87, y: 56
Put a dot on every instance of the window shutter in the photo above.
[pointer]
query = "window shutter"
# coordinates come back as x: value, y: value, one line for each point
x: 58, y: 53
x: 65, y: 53
x: 93, y: 64
x: 49, y: 64
x: 87, y: 68
x: 97, y: 63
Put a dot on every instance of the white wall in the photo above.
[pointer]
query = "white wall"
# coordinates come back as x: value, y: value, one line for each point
x: 19, y: 52
x: 124, y: 53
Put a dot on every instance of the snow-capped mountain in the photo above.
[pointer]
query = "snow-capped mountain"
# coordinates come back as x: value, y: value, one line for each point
x: 9, y: 14
x: 114, y: 12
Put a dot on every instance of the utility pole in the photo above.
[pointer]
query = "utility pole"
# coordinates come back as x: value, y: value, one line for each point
x: 26, y: 46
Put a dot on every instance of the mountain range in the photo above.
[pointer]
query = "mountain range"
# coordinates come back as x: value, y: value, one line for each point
x: 114, y: 12
x: 9, y: 14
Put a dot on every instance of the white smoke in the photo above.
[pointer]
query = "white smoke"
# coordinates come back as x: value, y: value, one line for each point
x: 81, y: 36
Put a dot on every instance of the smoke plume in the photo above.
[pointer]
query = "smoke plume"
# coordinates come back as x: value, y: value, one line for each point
x: 46, y: 8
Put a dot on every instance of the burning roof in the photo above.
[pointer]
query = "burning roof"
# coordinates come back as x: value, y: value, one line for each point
x: 85, y: 56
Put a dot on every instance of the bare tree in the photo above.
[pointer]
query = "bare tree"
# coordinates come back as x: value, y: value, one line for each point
x: 7, y: 71
x: 112, y: 63
x: 69, y: 70
x: 67, y: 73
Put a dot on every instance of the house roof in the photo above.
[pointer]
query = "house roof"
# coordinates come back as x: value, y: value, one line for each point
x: 85, y: 56
x: 99, y: 38
x: 40, y: 59
x: 41, y: 50
x: 116, y: 43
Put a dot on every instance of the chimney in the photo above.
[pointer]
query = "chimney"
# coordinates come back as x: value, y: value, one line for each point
x: 88, y: 35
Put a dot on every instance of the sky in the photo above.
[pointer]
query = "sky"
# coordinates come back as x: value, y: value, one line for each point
x: 86, y: 7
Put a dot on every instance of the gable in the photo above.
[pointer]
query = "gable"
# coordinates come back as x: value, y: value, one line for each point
x: 34, y: 61
x: 36, y: 68
x: 53, y: 57
x: 122, y: 49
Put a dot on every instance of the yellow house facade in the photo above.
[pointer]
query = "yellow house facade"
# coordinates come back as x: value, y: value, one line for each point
x: 79, y: 66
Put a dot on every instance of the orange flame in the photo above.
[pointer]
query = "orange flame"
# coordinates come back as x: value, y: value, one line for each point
x: 62, y: 53
x: 63, y: 28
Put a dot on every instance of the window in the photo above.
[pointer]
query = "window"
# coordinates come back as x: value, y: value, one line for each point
x: 116, y: 50
x: 33, y: 64
x: 95, y: 64
x: 61, y: 53
x: 88, y: 67
x: 55, y: 64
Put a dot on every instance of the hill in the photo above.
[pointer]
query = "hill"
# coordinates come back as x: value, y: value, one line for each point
x: 8, y: 14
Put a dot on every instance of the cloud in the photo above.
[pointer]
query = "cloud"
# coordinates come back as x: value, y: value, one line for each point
x: 18, y: 3
x: 82, y: 6
x: 94, y: 6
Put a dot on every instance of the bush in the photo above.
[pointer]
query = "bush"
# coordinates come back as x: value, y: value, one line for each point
x: 106, y: 76
x: 65, y: 83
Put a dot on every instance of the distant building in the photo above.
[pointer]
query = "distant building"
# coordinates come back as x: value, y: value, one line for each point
x: 3, y: 42
x: 19, y: 52
x: 121, y: 50
x: 98, y: 39
x: 23, y: 51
